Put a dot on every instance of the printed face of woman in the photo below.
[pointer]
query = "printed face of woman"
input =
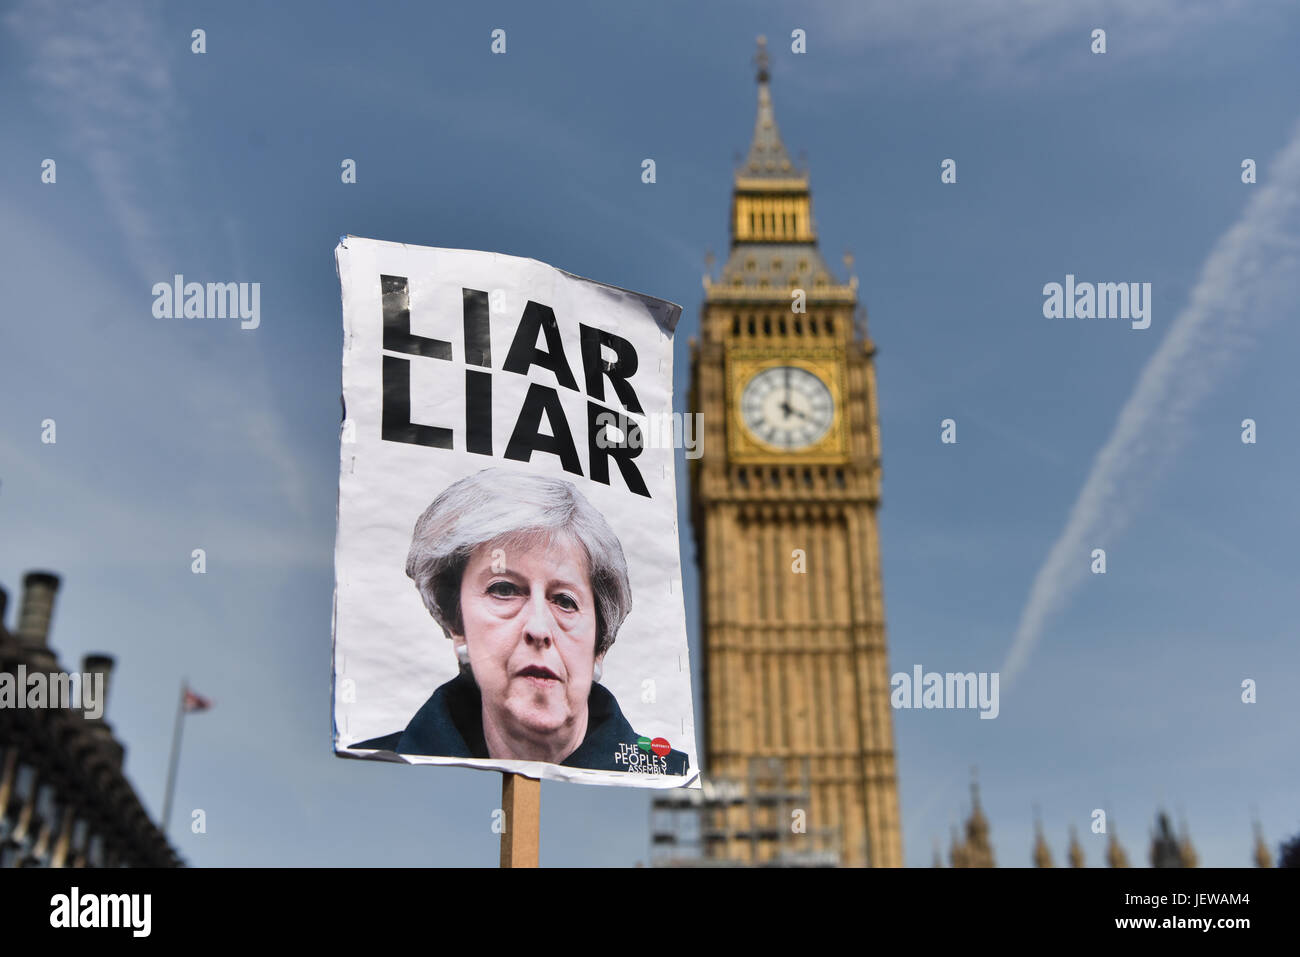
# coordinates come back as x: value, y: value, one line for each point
x: 529, y: 618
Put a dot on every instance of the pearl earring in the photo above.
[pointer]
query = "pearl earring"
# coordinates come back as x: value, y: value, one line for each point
x: 596, y: 672
x: 462, y: 654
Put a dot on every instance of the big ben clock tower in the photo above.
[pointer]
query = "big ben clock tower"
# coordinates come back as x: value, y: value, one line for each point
x: 784, y: 507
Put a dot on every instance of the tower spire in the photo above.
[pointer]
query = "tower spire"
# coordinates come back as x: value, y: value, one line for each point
x: 979, y: 851
x: 1185, y: 849
x: 1262, y: 856
x: 1075, y: 852
x: 773, y: 236
x: 1115, y: 856
x: 1042, y: 853
x: 768, y: 157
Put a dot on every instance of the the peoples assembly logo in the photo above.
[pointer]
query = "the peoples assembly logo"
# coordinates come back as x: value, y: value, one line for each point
x: 649, y: 756
x: 75, y: 909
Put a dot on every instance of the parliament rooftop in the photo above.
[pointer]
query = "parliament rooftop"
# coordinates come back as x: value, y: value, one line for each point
x: 64, y: 801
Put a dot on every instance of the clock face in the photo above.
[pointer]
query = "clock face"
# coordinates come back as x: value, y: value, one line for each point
x: 787, y: 407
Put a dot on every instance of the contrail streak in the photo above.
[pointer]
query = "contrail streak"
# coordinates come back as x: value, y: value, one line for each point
x: 1235, y: 297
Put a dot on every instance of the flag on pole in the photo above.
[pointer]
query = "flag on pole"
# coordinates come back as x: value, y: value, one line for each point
x: 189, y: 703
x: 196, y: 702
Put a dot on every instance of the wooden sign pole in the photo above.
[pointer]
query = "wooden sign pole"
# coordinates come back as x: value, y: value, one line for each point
x: 521, y: 799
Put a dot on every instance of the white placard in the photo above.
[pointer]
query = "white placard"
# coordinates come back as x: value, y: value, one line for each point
x: 507, y: 577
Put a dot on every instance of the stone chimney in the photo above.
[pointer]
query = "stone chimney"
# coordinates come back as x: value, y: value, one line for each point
x: 103, y: 665
x: 38, y: 607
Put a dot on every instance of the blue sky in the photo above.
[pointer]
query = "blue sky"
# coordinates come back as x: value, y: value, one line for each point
x: 1125, y: 166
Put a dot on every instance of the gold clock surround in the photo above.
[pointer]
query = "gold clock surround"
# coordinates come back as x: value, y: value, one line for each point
x: 827, y: 364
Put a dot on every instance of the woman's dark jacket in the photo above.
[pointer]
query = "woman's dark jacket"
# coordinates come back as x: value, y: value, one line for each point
x: 450, y: 724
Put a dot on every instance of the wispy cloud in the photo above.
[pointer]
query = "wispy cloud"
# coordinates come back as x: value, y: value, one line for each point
x: 999, y: 40
x: 141, y: 533
x: 1240, y: 290
x: 103, y: 70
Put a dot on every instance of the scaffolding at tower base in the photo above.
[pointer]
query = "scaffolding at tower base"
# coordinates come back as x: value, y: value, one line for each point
x: 755, y: 821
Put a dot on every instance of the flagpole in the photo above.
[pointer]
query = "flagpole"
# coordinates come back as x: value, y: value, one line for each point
x: 176, y: 753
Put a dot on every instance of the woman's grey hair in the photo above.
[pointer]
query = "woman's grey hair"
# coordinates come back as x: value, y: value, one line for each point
x: 505, y: 508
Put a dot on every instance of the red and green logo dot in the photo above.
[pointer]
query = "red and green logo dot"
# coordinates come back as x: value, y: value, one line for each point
x: 659, y: 746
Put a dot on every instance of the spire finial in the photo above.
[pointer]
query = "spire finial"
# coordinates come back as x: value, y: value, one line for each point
x: 767, y: 154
